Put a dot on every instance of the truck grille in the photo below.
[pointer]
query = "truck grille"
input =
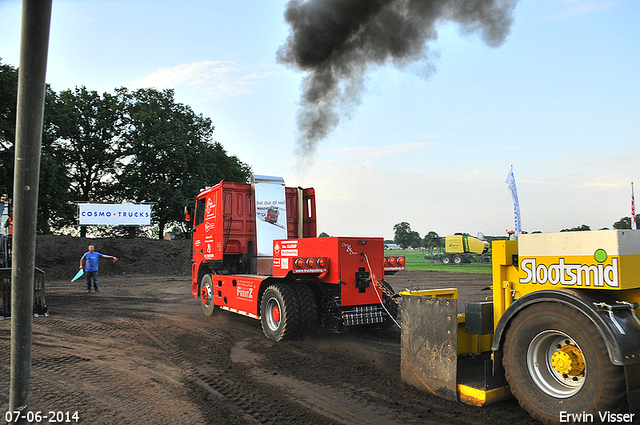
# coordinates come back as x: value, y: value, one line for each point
x: 363, y: 315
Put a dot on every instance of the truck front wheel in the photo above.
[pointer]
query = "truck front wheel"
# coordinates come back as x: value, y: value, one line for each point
x: 556, y: 364
x: 206, y: 295
x: 280, y: 312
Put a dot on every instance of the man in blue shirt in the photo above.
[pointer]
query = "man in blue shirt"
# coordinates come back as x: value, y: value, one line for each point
x: 91, y: 268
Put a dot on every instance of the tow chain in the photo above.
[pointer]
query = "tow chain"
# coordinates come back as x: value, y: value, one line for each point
x: 380, y: 284
x: 387, y: 292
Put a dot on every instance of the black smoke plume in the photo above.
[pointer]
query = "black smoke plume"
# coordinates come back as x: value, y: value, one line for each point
x: 335, y: 42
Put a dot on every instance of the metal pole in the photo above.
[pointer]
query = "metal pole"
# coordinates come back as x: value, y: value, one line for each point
x: 36, y: 20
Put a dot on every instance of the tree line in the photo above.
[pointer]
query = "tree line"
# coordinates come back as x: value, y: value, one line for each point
x: 129, y: 146
x: 405, y: 237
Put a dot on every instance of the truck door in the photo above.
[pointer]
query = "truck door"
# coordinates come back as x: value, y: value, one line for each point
x: 198, y: 231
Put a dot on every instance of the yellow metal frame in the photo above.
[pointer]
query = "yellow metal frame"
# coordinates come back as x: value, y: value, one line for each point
x: 442, y: 293
x: 477, y: 397
x: 504, y: 273
x: 507, y: 277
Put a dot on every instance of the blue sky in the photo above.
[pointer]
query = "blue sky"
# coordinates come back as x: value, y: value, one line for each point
x: 559, y: 100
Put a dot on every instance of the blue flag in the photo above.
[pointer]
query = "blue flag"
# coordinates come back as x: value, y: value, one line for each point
x: 77, y: 276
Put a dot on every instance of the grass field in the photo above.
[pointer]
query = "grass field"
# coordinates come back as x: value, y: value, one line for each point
x: 416, y: 261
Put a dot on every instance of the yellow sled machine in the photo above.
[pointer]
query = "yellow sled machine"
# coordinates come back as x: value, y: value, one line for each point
x: 560, y: 332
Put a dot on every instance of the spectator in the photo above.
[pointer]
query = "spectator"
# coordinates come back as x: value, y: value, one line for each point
x: 91, y: 266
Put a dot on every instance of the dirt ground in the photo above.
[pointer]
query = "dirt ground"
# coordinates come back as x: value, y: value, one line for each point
x: 142, y: 352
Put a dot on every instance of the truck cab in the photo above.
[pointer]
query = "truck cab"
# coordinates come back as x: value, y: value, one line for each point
x: 255, y: 252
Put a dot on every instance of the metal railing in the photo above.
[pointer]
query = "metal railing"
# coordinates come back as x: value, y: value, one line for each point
x: 39, y: 302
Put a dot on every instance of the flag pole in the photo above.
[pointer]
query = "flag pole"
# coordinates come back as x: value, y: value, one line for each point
x: 634, y: 225
x: 511, y: 183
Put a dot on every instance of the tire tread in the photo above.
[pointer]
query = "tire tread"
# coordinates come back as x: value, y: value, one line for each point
x: 290, y: 328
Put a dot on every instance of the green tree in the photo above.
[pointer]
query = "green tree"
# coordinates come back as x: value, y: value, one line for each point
x: 405, y: 237
x: 130, y: 146
x: 86, y: 128
x: 54, y: 207
x: 55, y: 204
x: 625, y: 222
x: 580, y: 228
x: 432, y: 239
x: 8, y: 104
x: 168, y: 154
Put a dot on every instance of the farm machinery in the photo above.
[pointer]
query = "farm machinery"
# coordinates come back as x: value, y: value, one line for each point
x: 560, y: 331
x: 460, y: 248
x: 255, y: 253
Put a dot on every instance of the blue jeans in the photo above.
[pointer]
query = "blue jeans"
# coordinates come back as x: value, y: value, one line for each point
x: 93, y: 275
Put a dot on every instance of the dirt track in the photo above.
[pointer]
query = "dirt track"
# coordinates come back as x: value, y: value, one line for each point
x: 141, y: 352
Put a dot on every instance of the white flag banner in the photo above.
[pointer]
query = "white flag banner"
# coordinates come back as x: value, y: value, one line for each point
x: 511, y: 182
x: 114, y: 214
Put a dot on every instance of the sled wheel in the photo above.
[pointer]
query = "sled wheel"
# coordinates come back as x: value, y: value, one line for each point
x: 309, y: 309
x: 556, y: 362
x: 457, y: 259
x: 445, y: 259
x: 206, y: 295
x: 280, y: 312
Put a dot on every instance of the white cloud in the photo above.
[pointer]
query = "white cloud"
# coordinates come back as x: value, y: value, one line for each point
x: 579, y: 7
x: 215, y: 79
x: 370, y: 152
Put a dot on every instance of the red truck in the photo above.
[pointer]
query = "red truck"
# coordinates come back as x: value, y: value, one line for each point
x: 256, y: 253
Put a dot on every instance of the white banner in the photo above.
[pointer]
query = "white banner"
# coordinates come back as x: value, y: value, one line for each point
x: 114, y: 214
x: 511, y: 182
x: 271, y: 212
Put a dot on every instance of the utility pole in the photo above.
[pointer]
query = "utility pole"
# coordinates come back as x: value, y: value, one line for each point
x: 36, y: 21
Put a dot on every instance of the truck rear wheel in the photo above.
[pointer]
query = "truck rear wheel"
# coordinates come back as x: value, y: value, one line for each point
x: 390, y: 305
x: 280, y: 312
x: 309, y: 309
x: 557, y: 363
x: 206, y: 295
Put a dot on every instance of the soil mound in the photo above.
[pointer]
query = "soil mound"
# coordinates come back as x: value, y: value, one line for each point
x: 59, y: 256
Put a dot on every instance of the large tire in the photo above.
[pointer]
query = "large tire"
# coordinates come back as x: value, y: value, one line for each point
x: 280, y: 312
x: 390, y: 305
x: 457, y: 259
x: 309, y: 309
x: 445, y: 259
x: 206, y: 295
x: 557, y: 363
